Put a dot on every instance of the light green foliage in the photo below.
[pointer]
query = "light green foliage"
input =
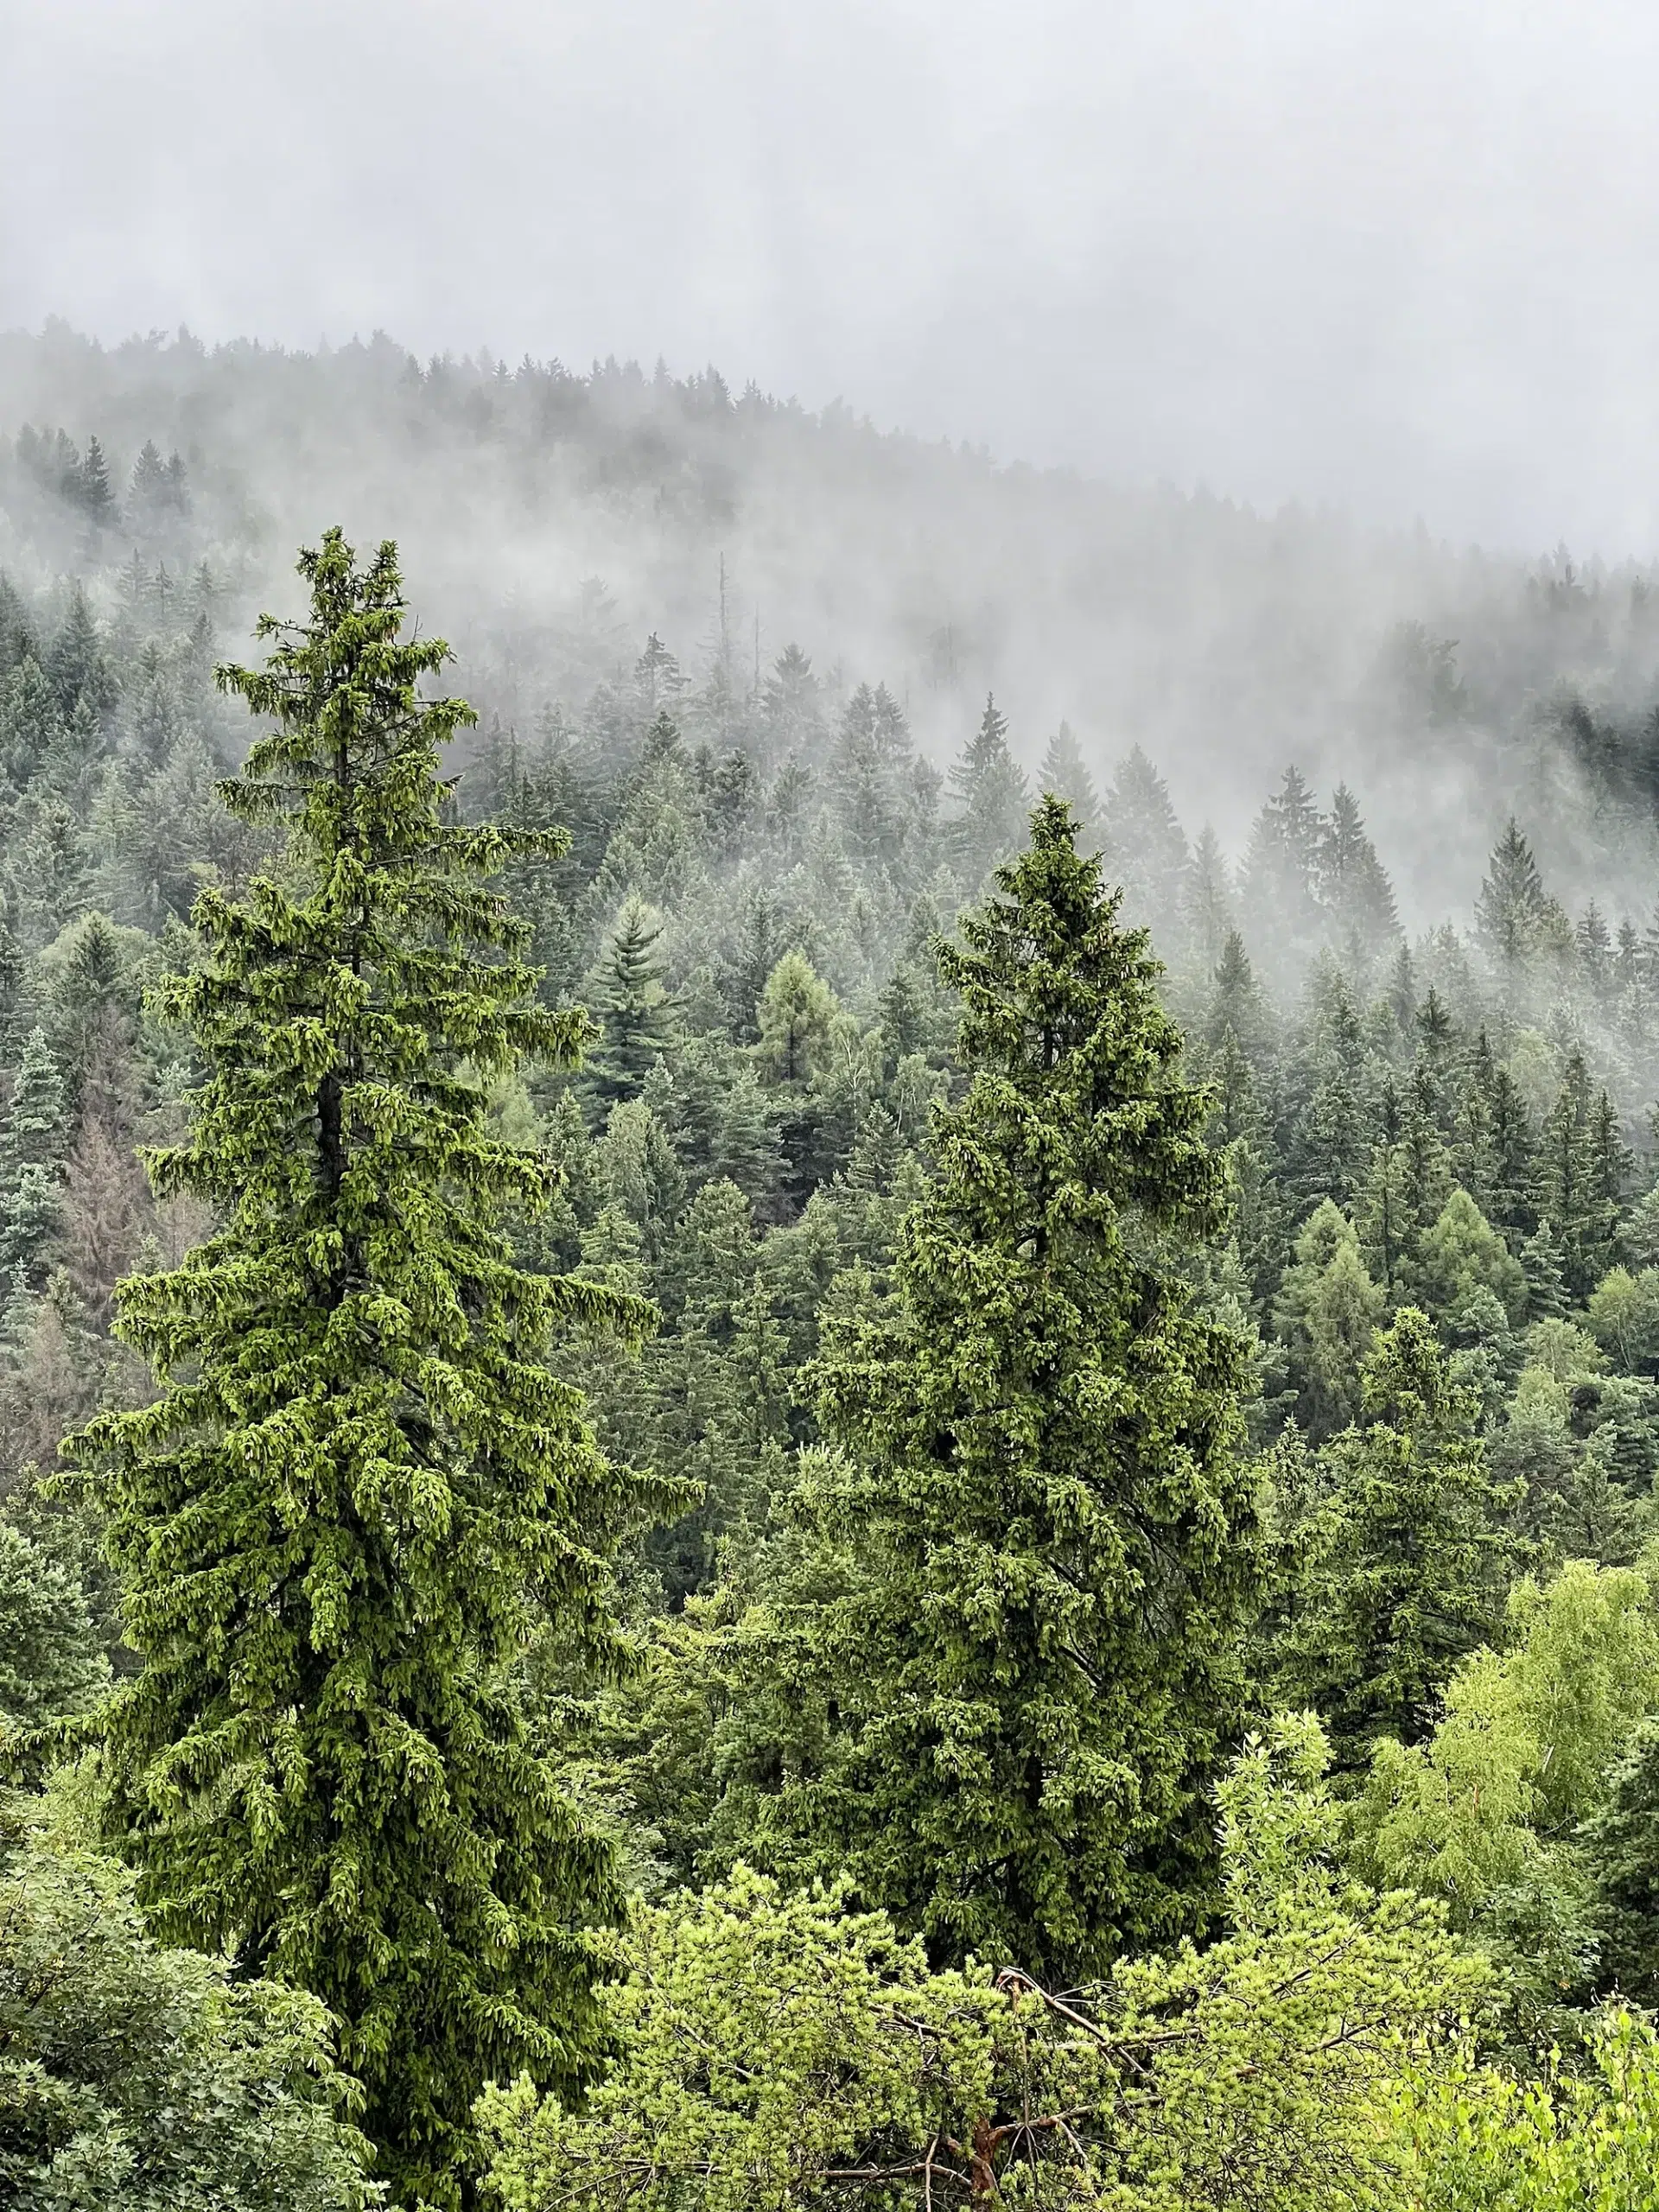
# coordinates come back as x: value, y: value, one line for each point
x: 1579, y: 2142
x: 1623, y: 1316
x: 1329, y: 1313
x: 1461, y: 1253
x: 796, y: 1015
x: 331, y: 1522
x: 1485, y: 1814
x: 135, y: 2078
x: 632, y: 1002
x: 781, y: 2051
x: 1049, y: 1529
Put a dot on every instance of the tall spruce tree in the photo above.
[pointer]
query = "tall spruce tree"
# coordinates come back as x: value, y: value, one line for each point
x: 1048, y: 1522
x: 633, y: 1004
x: 1411, y: 1552
x: 991, y: 793
x: 1064, y: 773
x: 360, y: 1483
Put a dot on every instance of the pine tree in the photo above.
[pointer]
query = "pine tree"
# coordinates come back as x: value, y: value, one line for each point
x: 1568, y: 1176
x: 32, y: 1137
x: 791, y: 703
x: 97, y: 500
x: 867, y: 773
x: 1064, y: 774
x: 1353, y: 884
x: 991, y: 795
x: 147, y: 492
x: 33, y: 1132
x: 1595, y: 945
x: 796, y: 1013
x: 632, y: 1004
x: 1281, y: 886
x: 1544, y: 1264
x: 330, y: 1523
x: 76, y: 664
x: 1511, y: 912
x: 1052, y: 1529
x: 1146, y: 849
x: 1237, y: 1008
x: 1411, y: 1561
x: 1208, y: 922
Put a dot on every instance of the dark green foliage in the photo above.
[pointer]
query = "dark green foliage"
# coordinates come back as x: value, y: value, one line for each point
x: 991, y: 795
x: 1046, y: 1531
x: 359, y: 1482
x: 1410, y: 1552
x: 637, y: 1017
x: 1623, y: 1839
x: 137, y: 2078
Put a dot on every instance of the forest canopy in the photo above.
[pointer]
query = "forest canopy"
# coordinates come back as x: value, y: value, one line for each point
x: 750, y: 1461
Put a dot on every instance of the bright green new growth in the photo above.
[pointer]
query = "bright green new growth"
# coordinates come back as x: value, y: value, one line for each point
x: 1049, y: 1528
x: 333, y: 1525
x: 775, y: 2053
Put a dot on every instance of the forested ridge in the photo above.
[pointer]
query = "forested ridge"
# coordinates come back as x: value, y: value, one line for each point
x: 990, y: 1535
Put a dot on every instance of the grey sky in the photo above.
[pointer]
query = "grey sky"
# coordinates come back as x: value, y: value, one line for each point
x: 1399, y: 254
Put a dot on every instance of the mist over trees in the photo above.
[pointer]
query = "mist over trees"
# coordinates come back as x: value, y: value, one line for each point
x: 560, y: 516
x: 764, y: 1437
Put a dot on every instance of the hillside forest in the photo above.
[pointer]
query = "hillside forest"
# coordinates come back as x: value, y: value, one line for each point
x: 746, y: 1462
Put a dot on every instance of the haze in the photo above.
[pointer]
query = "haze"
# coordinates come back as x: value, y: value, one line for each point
x: 1394, y: 257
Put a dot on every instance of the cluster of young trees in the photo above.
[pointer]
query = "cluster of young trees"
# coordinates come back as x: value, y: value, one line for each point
x: 988, y: 1534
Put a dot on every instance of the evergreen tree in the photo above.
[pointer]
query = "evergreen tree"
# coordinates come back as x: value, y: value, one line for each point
x: 1239, y: 1009
x: 76, y: 664
x: 330, y: 1523
x: 1572, y: 1179
x: 33, y: 1132
x: 632, y: 1004
x: 97, y: 500
x: 791, y: 703
x: 1543, y: 1263
x: 867, y: 773
x: 991, y: 795
x: 1146, y: 849
x: 1281, y: 874
x: 1511, y: 913
x: 1208, y: 920
x: 1049, y: 1527
x: 1328, y: 1312
x: 1410, y: 1561
x: 1353, y: 884
x: 1064, y: 774
x: 795, y: 1016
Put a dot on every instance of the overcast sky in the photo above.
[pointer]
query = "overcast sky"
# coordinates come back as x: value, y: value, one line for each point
x: 1403, y: 255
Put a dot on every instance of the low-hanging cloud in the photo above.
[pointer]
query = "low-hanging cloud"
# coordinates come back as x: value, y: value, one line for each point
x: 1395, y: 256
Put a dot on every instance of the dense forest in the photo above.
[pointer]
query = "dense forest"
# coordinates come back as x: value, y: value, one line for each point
x: 760, y: 1446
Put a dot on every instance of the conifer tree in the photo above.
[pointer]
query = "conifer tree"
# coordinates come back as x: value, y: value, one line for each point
x: 97, y: 500
x: 1064, y: 774
x: 1572, y: 1179
x: 1512, y: 911
x: 1049, y: 1524
x: 360, y: 1480
x: 1544, y: 1265
x: 1280, y: 885
x: 1146, y: 848
x: 1412, y: 1560
x: 1353, y: 884
x: 1207, y: 921
x: 866, y: 772
x: 632, y: 1004
x: 991, y: 795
